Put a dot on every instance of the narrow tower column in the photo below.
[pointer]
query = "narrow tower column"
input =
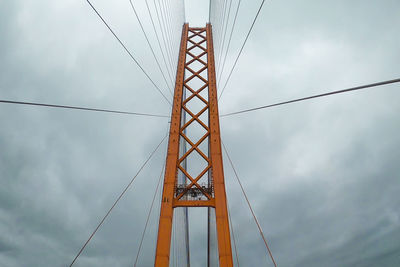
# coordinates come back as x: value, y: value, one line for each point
x: 166, y: 213
x: 221, y: 210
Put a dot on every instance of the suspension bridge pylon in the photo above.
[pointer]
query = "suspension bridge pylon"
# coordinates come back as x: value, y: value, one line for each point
x: 196, y: 49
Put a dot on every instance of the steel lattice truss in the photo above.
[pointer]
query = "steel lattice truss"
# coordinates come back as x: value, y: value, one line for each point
x: 196, y: 84
x: 195, y: 73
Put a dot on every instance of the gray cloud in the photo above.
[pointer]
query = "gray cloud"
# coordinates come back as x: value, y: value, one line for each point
x: 323, y: 176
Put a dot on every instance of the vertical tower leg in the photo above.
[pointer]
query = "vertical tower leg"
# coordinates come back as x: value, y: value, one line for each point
x: 221, y: 211
x: 166, y: 213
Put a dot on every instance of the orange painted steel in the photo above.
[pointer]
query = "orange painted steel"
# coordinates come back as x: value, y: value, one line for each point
x: 221, y: 210
x: 194, y: 193
x: 166, y: 213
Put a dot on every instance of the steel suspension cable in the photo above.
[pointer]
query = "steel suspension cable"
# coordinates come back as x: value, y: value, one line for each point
x: 148, y: 215
x: 169, y: 11
x: 233, y: 236
x: 176, y: 26
x: 158, y: 41
x: 184, y: 11
x: 166, y: 28
x: 214, y: 22
x: 316, y: 96
x: 179, y: 21
x: 164, y: 15
x: 172, y: 20
x: 180, y: 25
x: 220, y: 42
x: 217, y: 28
x: 229, y: 42
x: 174, y: 13
x: 220, y: 24
x: 209, y: 11
x: 150, y: 46
x: 212, y: 12
x: 163, y: 36
x: 224, y: 36
x: 248, y: 203
x: 81, y: 108
x: 117, y: 200
x: 183, y: 8
x: 241, y: 49
x: 216, y: 33
x: 221, y: 33
x: 127, y: 51
x: 225, y: 28
x: 215, y: 19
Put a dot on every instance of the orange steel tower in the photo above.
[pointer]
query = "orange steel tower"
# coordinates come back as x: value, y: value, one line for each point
x: 196, y: 50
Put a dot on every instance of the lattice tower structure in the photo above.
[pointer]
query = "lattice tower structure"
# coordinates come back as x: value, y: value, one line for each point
x: 205, y: 188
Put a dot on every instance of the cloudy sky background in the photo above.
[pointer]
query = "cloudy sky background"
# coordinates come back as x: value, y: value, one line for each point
x: 323, y: 175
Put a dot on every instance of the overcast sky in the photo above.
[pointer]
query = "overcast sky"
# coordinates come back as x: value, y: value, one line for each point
x: 323, y: 176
